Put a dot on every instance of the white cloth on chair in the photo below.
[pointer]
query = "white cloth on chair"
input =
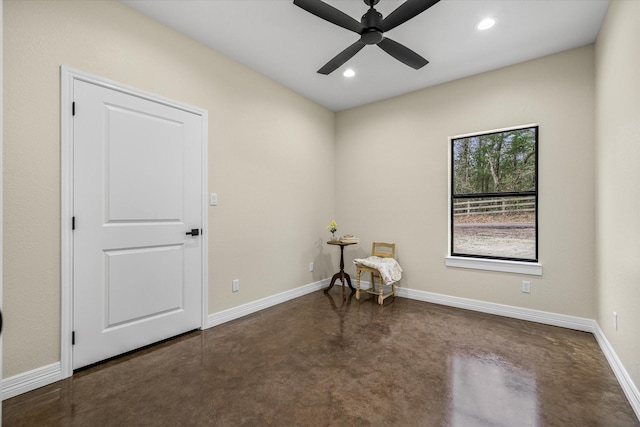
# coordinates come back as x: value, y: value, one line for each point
x: 389, y: 268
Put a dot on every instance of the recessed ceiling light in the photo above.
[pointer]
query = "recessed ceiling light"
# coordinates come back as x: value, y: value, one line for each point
x: 486, y: 23
x: 349, y: 73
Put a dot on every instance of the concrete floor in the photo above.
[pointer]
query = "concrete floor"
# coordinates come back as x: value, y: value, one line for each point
x: 321, y: 360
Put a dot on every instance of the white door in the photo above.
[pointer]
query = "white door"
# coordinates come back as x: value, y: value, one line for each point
x: 137, y: 273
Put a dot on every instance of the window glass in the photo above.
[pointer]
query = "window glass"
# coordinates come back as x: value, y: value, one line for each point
x: 494, y: 197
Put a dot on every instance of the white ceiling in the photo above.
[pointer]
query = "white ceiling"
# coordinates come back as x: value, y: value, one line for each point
x: 284, y: 42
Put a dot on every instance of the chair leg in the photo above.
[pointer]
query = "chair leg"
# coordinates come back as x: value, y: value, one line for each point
x: 358, y: 285
x: 373, y: 282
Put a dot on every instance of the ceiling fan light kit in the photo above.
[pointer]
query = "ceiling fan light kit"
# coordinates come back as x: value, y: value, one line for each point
x: 371, y: 29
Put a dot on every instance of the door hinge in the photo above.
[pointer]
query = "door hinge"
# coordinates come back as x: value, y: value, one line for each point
x: 73, y: 108
x: 73, y: 223
x: 73, y: 338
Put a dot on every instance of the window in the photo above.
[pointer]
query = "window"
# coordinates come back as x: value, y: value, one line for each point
x: 494, y: 195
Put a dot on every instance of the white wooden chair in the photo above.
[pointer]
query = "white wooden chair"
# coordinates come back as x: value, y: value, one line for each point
x: 383, y: 250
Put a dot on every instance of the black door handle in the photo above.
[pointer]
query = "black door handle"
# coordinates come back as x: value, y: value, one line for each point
x: 193, y: 232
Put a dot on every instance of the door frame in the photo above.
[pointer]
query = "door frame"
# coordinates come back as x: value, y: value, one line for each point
x: 1, y: 184
x: 68, y: 76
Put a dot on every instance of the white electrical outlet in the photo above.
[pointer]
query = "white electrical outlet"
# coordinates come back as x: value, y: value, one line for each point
x: 310, y: 266
x: 615, y: 321
x: 526, y: 286
x: 235, y: 285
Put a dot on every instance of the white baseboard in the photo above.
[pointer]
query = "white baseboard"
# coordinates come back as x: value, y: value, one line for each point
x: 629, y: 388
x: 255, y: 306
x: 562, y: 320
x: 31, y: 380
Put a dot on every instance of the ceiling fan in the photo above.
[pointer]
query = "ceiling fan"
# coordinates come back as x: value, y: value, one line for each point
x: 371, y: 28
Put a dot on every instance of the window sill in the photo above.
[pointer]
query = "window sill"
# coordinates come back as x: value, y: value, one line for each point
x: 530, y: 268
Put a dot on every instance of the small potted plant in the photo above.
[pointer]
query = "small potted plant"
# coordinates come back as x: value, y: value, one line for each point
x: 333, y: 227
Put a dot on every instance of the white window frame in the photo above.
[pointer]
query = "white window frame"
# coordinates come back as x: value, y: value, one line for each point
x: 505, y: 266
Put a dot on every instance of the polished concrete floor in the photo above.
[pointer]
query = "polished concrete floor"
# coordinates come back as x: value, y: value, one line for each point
x: 319, y: 360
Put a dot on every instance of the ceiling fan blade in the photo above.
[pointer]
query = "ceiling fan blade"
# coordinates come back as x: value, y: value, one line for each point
x: 404, y: 12
x: 402, y: 53
x: 330, y: 13
x: 341, y: 58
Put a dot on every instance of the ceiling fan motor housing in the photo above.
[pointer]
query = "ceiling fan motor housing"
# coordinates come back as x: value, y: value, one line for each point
x: 371, y: 20
x: 371, y: 36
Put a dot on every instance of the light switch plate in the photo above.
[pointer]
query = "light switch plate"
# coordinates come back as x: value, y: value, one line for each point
x: 214, y: 199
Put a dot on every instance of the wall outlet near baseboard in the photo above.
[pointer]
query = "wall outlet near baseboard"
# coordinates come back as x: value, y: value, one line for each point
x: 526, y: 286
x: 310, y: 266
x: 235, y: 285
x: 615, y: 321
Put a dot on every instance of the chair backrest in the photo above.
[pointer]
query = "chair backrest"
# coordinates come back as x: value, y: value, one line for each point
x: 385, y: 250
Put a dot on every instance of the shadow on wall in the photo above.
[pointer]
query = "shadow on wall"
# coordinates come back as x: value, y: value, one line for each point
x: 322, y: 266
x: 327, y: 262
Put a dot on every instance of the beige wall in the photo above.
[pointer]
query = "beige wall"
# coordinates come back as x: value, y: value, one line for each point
x: 618, y: 180
x: 403, y: 142
x: 270, y: 160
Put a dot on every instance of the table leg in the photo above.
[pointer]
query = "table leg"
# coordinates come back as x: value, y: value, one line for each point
x: 333, y: 281
x: 341, y: 274
x: 346, y: 276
